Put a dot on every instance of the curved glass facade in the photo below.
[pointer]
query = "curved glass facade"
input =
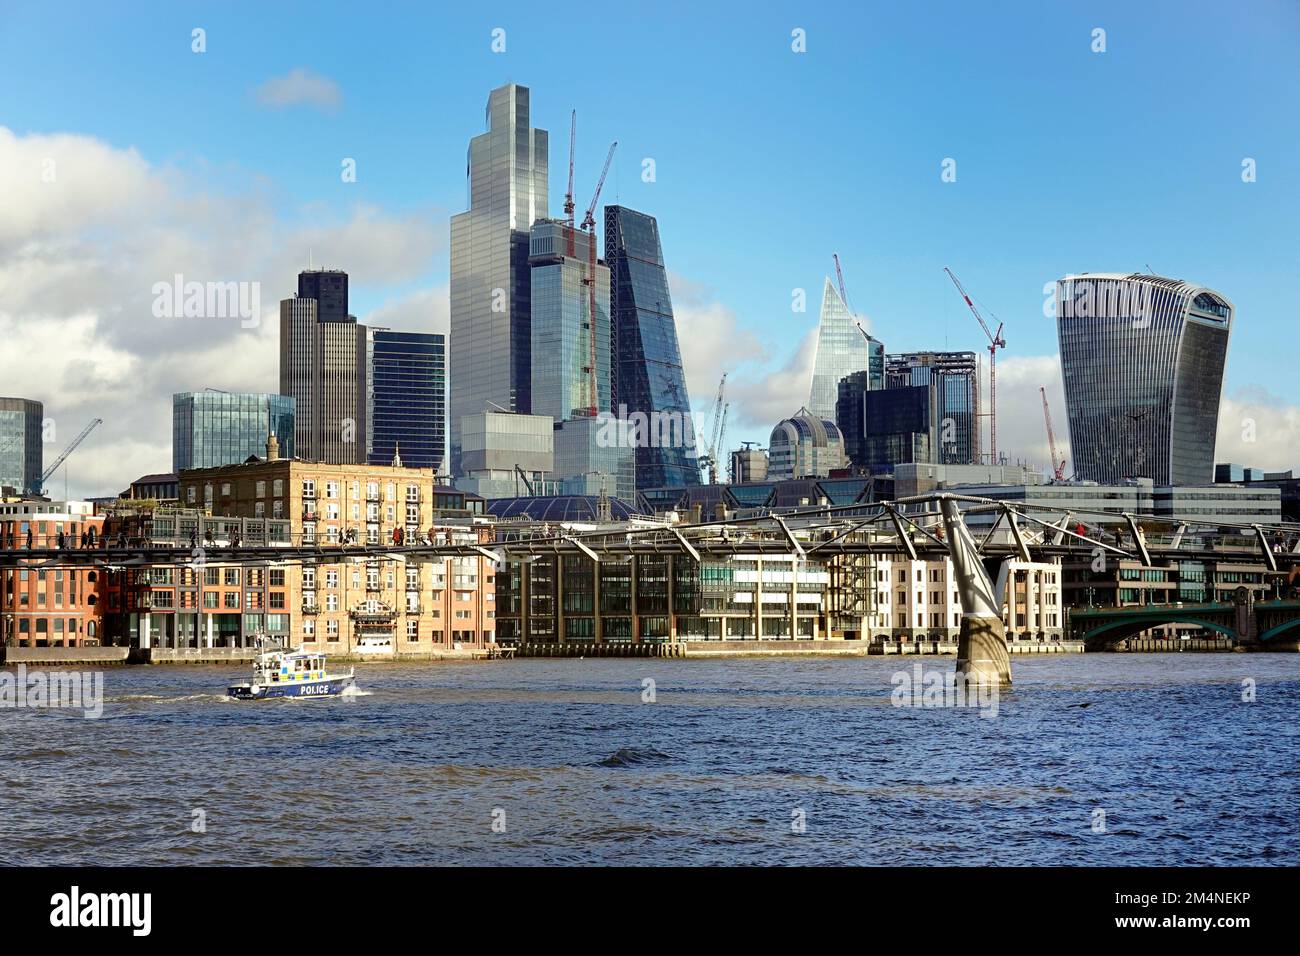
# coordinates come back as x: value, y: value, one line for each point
x: 1142, y: 360
x: 648, y: 375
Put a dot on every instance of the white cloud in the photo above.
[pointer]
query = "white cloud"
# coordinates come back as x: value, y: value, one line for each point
x: 79, y: 257
x: 428, y: 310
x: 300, y: 87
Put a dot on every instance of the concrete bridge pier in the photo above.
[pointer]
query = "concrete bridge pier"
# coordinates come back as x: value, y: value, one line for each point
x: 982, y: 654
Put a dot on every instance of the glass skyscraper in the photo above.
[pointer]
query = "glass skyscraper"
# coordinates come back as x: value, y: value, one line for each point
x: 408, y: 374
x: 953, y: 378
x: 843, y: 348
x: 648, y: 375
x: 21, y: 452
x: 1142, y: 360
x: 210, y: 429
x: 491, y: 339
x: 561, y: 342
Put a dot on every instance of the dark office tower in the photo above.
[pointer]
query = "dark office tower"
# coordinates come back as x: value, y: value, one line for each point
x: 21, y: 451
x: 850, y: 415
x: 323, y: 367
x: 899, y: 428
x: 954, y: 380
x: 409, y: 398
x: 648, y: 376
x: 329, y: 287
x: 489, y: 363
x: 1142, y: 361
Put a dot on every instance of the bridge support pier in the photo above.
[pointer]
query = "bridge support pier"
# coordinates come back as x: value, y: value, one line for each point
x: 982, y: 655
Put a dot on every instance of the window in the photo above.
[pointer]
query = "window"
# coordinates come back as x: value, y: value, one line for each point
x: 225, y: 489
x: 231, y: 600
x: 191, y: 494
x: 232, y: 577
x: 261, y: 489
x: 412, y: 630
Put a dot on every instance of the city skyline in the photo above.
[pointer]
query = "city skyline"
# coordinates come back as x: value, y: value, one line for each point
x: 390, y: 230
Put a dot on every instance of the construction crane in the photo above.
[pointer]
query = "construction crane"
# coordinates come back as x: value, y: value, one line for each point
x: 1058, y: 469
x: 568, y: 195
x: 713, y: 425
x: 589, y: 227
x: 996, y: 341
x: 39, y: 486
x: 520, y: 473
x: 720, y: 442
x: 839, y: 277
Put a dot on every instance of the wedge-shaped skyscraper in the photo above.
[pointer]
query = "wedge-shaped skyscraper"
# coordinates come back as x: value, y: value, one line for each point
x: 1142, y: 360
x: 649, y: 383
x: 842, y: 349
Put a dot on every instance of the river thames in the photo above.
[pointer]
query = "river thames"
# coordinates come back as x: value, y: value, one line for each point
x: 1091, y: 759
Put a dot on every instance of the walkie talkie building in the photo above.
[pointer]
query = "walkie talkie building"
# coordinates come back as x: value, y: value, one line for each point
x: 1142, y: 359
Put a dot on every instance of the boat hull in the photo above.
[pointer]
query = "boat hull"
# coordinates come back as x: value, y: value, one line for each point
x: 328, y: 687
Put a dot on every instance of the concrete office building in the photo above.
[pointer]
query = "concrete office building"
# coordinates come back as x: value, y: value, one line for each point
x: 804, y: 446
x: 324, y: 368
x: 1142, y: 359
x: 491, y: 338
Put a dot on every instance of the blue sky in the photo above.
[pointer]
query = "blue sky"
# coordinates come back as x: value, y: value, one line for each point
x: 767, y: 161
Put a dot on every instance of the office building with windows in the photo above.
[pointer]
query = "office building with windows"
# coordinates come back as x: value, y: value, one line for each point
x: 563, y: 373
x: 324, y: 367
x: 1142, y: 362
x: 843, y: 347
x: 21, y: 451
x: 215, y: 428
x: 648, y: 377
x: 805, y: 446
x: 408, y: 406
x: 490, y: 359
x: 952, y: 379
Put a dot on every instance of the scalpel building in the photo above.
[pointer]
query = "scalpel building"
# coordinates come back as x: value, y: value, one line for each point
x: 1142, y: 358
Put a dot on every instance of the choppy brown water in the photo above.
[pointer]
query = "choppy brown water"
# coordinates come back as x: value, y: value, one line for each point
x: 714, y: 772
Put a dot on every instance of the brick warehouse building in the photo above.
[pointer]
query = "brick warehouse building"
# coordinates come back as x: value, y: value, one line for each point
x: 49, y: 607
x: 360, y: 603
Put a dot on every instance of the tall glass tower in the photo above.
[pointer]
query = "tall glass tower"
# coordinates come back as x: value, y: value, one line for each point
x: 21, y: 451
x: 210, y: 429
x: 648, y: 375
x: 491, y: 339
x: 408, y: 375
x: 561, y: 339
x: 1142, y: 359
x: 842, y: 349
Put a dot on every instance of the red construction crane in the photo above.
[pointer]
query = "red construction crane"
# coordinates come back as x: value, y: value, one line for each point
x: 568, y: 196
x: 1059, y: 470
x: 996, y: 341
x: 589, y: 227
